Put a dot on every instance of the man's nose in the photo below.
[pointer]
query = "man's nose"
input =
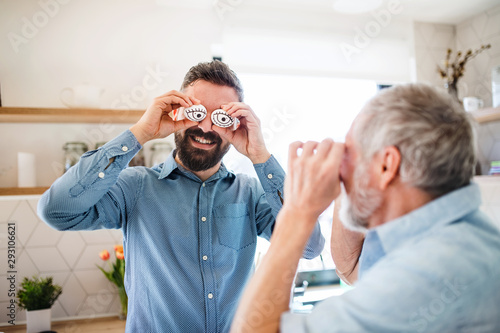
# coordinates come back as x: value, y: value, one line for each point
x: 206, y: 124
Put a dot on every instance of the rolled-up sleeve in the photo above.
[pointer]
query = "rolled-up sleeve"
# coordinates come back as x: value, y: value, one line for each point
x: 90, y: 194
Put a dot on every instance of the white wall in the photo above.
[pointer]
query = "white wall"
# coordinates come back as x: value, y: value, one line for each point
x: 118, y: 44
x: 431, y: 43
x: 480, y: 30
x: 136, y: 50
x: 114, y: 44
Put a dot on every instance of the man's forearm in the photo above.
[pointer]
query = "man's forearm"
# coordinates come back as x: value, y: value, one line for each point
x: 267, y: 295
x: 272, y: 177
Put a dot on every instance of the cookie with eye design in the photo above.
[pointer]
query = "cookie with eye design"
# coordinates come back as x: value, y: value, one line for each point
x: 195, y: 112
x: 222, y: 119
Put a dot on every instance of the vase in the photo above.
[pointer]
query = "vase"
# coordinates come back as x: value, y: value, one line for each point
x: 38, y: 320
x: 123, y: 302
x: 452, y: 89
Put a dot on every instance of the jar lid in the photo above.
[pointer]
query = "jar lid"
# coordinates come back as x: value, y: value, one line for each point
x: 161, y: 145
x: 74, y: 144
x: 100, y: 144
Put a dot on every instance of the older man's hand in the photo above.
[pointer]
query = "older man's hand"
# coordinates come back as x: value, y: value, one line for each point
x: 313, y: 180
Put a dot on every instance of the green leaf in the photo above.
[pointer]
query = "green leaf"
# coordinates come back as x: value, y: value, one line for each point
x: 37, y: 293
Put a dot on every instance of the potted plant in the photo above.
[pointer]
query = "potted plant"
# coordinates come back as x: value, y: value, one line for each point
x: 37, y: 295
x: 454, y: 68
x: 116, y: 275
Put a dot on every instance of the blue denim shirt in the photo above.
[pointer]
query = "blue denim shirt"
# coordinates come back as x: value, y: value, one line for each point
x: 189, y: 245
x: 436, y: 269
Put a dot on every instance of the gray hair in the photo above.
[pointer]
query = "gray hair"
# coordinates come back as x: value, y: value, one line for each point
x: 215, y: 72
x: 433, y: 133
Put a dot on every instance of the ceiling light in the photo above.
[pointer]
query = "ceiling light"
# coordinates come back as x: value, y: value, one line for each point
x: 356, y: 6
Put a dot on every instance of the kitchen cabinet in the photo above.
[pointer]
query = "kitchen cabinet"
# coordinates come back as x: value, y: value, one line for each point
x: 61, y: 115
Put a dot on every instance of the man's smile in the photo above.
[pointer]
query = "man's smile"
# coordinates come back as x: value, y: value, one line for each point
x: 200, y: 142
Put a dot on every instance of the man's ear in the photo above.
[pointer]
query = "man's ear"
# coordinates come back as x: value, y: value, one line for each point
x: 390, y: 161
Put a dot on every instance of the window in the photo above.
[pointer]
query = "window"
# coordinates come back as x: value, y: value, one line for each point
x: 301, y: 108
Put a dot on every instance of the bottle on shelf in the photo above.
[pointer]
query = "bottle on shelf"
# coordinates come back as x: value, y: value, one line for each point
x: 160, y: 152
x: 72, y: 153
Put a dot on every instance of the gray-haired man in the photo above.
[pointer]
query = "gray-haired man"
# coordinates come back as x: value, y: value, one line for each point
x: 428, y: 261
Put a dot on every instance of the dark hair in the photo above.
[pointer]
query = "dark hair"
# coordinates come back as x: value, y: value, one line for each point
x: 215, y: 72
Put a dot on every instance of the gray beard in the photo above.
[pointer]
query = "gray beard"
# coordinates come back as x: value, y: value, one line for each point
x: 348, y: 218
x: 359, y: 206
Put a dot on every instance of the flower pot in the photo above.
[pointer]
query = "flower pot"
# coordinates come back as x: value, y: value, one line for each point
x: 38, y: 320
x: 123, y: 302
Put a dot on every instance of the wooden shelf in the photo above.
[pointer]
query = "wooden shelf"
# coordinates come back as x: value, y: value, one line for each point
x: 22, y: 190
x: 486, y: 115
x: 57, y: 115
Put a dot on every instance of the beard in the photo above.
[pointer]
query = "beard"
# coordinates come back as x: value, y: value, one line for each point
x: 196, y: 159
x: 357, y: 207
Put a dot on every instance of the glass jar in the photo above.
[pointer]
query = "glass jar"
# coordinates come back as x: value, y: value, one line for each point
x: 495, y: 86
x: 100, y: 144
x: 160, y: 152
x: 72, y: 153
x: 138, y: 159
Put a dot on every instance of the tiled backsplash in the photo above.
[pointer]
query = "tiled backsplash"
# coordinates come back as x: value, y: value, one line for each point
x: 490, y: 195
x: 488, y: 141
x: 70, y: 257
x: 478, y: 30
x: 431, y: 42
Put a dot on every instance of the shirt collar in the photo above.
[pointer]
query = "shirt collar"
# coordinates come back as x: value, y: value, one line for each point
x: 170, y: 165
x: 441, y: 211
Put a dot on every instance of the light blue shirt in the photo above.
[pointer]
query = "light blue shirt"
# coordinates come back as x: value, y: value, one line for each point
x: 189, y: 245
x: 436, y: 269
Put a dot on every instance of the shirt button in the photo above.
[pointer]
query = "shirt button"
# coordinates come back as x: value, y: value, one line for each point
x: 210, y: 295
x: 203, y: 184
x: 203, y: 218
x: 124, y: 148
x: 270, y: 176
x: 205, y: 257
x: 101, y: 174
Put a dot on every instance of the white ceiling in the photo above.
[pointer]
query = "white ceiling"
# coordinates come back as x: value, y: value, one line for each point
x: 436, y: 11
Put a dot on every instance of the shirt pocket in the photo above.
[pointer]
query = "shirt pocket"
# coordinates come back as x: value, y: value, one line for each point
x: 233, y: 226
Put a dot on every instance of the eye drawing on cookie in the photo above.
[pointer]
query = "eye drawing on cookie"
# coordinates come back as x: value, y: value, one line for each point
x: 222, y: 119
x: 195, y: 112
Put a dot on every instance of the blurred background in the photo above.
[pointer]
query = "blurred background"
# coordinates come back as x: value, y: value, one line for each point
x: 307, y: 66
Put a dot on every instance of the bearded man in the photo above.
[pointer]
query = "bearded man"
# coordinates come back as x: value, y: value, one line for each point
x: 189, y: 225
x: 420, y: 254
